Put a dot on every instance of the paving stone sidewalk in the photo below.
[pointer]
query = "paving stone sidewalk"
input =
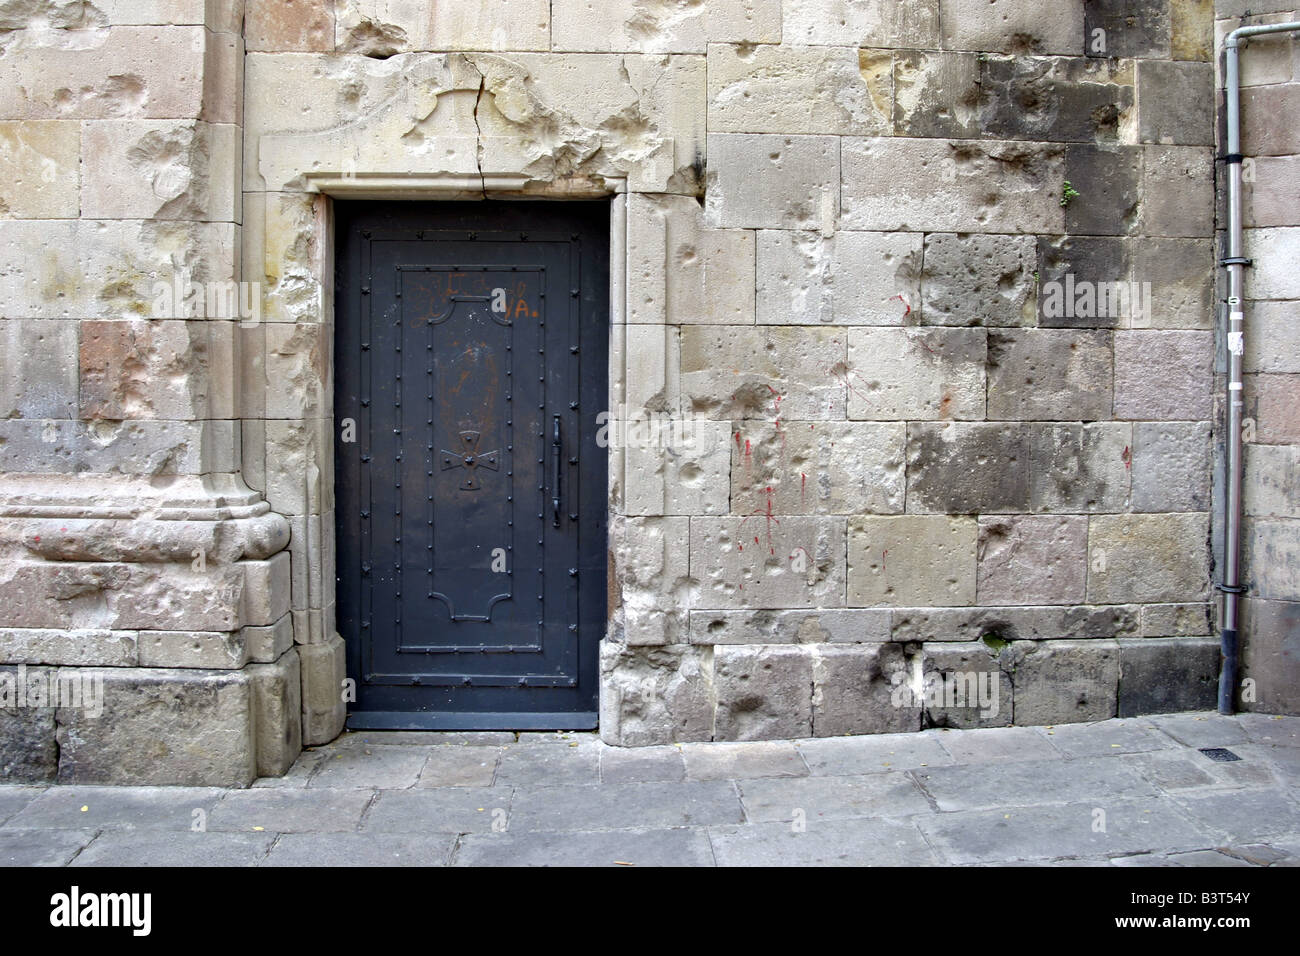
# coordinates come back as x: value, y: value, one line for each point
x: 1135, y: 792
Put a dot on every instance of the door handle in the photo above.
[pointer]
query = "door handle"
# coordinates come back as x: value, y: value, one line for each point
x: 558, y: 452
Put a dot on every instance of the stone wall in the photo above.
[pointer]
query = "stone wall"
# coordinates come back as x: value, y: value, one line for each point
x: 912, y: 365
x: 1271, y: 528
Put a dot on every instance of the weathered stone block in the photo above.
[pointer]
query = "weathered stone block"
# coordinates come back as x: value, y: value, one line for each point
x: 1176, y: 196
x: 964, y: 687
x: 994, y: 624
x: 1176, y: 620
x: 1176, y: 102
x: 854, y: 691
x: 70, y: 647
x: 1191, y: 29
x: 1128, y: 29
x: 978, y: 280
x: 1270, y: 654
x: 792, y: 89
x: 1080, y: 468
x: 655, y: 695
x: 38, y: 362
x: 1054, y: 26
x: 1055, y: 99
x: 277, y: 714
x: 1171, y: 466
x: 142, y: 369
x: 298, y: 25
x: 29, y: 752
x: 732, y: 372
x: 819, y: 626
x: 323, y: 672
x: 887, y: 23
x: 212, y: 650
x: 1026, y: 559
x: 988, y: 187
x: 1275, y: 252
x: 817, y: 467
x: 681, y: 271
x: 1163, y: 375
x: 937, y: 94
x: 1049, y: 374
x: 774, y: 182
x: 915, y: 373
x: 767, y: 561
x: 1271, y: 481
x: 160, y: 726
x: 654, y: 574
x: 1277, y: 408
x: 1063, y: 682
x: 296, y: 363
x: 764, y: 692
x: 40, y: 169
x: 911, y: 560
x: 677, y: 467
x: 967, y: 467
x: 1181, y: 277
x: 1166, y: 676
x: 1261, y: 135
x: 1108, y: 181
x: 1151, y: 558
x: 1264, y: 200
x: 626, y: 25
x: 265, y: 644
x: 1073, y: 270
x: 265, y: 595
x: 849, y: 278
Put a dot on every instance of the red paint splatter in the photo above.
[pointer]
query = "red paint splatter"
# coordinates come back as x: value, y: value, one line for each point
x: 803, y: 486
x: 1127, y: 458
x: 38, y: 539
x: 907, y: 306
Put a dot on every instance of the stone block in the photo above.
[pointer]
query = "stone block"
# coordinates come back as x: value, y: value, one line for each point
x: 963, y: 687
x: 1191, y: 29
x: 1056, y: 99
x: 978, y: 280
x: 854, y: 691
x: 773, y: 182
x: 1129, y: 29
x: 70, y: 647
x: 297, y: 375
x: 1085, y: 282
x: 1032, y: 559
x: 1271, y: 558
x: 968, y: 467
x: 40, y: 170
x: 160, y: 727
x: 1049, y: 374
x: 1166, y: 676
x: 1064, y: 682
x: 211, y: 650
x: 799, y: 468
x: 29, y: 752
x: 683, y: 272
x: 656, y: 695
x: 764, y: 692
x: 909, y: 560
x: 323, y: 671
x: 848, y: 278
x: 654, y: 575
x: 733, y: 372
x: 1080, y: 468
x: 1277, y: 408
x: 937, y: 94
x: 1261, y: 134
x: 265, y: 595
x: 627, y: 25
x: 143, y: 369
x: 265, y: 644
x: 281, y: 25
x: 38, y: 359
x: 915, y: 373
x: 1108, y: 181
x: 1270, y: 654
x: 762, y: 561
x: 277, y: 714
x: 1163, y: 375
x: 1264, y: 200
x: 1171, y: 466
x: 1176, y: 620
x: 1176, y: 102
x: 799, y: 89
x: 1004, y: 26
x: 1181, y: 277
x: 994, y: 624
x: 912, y: 24
x: 1177, y: 199
x: 1274, y: 252
x: 1148, y: 558
x: 818, y: 626
x: 676, y: 467
x: 1008, y: 187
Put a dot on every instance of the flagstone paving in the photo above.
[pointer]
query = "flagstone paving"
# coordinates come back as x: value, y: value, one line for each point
x: 1133, y: 792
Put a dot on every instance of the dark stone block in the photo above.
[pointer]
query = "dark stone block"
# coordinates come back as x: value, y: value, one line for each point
x: 1052, y: 99
x: 1270, y: 655
x: 1167, y: 675
x: 1108, y: 183
x: 28, y: 752
x: 967, y: 467
x: 1093, y: 260
x: 1176, y: 102
x: 1132, y: 28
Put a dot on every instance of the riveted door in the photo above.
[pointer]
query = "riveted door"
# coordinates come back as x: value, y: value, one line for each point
x: 470, y: 369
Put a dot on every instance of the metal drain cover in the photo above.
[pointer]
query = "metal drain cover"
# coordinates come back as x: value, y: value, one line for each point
x: 1221, y: 754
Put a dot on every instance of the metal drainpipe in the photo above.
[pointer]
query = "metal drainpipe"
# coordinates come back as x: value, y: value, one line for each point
x: 1235, y: 263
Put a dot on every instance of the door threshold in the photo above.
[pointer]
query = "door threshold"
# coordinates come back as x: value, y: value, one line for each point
x: 404, y: 720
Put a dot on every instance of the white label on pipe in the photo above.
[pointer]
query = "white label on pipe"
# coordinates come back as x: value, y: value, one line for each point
x: 1237, y: 317
x: 1234, y: 386
x: 1236, y: 343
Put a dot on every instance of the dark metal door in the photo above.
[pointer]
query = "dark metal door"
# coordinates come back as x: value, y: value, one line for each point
x: 471, y: 356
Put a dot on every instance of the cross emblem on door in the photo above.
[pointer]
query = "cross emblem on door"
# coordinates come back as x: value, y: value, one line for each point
x: 470, y: 459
